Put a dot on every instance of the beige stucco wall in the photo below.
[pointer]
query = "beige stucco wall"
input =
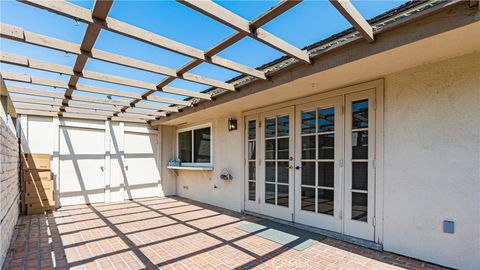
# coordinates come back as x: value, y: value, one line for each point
x: 227, y: 153
x: 432, y: 161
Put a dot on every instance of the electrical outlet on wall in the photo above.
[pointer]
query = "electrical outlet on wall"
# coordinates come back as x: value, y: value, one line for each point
x: 185, y: 187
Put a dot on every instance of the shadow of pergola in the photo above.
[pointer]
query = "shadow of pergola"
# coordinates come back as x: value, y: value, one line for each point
x: 170, y: 224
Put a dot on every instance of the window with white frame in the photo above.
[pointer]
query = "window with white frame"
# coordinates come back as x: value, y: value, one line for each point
x: 194, y: 145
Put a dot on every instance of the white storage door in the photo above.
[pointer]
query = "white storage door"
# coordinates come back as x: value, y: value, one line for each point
x: 82, y: 165
x: 141, y: 165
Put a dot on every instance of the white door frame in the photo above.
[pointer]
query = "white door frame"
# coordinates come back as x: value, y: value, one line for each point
x: 378, y: 87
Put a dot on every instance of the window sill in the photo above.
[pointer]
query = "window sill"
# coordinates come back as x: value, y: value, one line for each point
x: 191, y: 168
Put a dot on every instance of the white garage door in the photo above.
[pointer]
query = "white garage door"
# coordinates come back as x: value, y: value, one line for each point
x: 141, y: 164
x: 82, y: 165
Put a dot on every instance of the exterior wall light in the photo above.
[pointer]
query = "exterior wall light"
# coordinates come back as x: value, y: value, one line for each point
x: 232, y: 124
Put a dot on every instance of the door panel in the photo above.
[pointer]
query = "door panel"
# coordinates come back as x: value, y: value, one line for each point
x: 141, y: 165
x: 359, y: 164
x: 276, y: 183
x: 318, y: 182
x: 252, y: 194
x: 82, y: 165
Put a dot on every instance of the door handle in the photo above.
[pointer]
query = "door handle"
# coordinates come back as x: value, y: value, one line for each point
x: 126, y: 167
x: 101, y: 168
x: 298, y: 167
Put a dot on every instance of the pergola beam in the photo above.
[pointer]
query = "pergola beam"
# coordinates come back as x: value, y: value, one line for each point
x: 238, y: 23
x: 18, y: 77
x: 145, y: 112
x: 75, y: 97
x: 348, y: 10
x: 78, y: 13
x: 259, y: 21
x: 39, y: 101
x: 156, y: 107
x: 18, y: 34
x: 50, y: 67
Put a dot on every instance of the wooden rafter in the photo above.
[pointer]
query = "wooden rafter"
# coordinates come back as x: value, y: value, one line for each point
x: 259, y: 21
x: 50, y: 67
x: 78, y: 13
x: 40, y: 101
x: 100, y: 11
x: 238, y: 23
x: 346, y: 8
x: 12, y: 76
x: 6, y: 99
x: 145, y: 112
x: 18, y: 34
x: 41, y: 93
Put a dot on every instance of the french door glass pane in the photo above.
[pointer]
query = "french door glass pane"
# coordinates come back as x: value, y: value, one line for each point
x: 251, y: 191
x: 270, y: 149
x: 359, y: 206
x: 308, y: 147
x: 270, y: 128
x: 360, y: 144
x: 326, y: 119
x: 308, y: 199
x: 283, y: 125
x: 270, y: 193
x: 360, y: 114
x: 252, y: 130
x: 282, y: 195
x: 308, y: 173
x: 282, y: 172
x: 308, y: 122
x: 251, y: 150
x: 326, y: 144
x: 251, y: 170
x: 325, y: 201
x: 325, y: 174
x: 360, y: 175
x: 283, y: 152
x: 185, y: 146
x: 270, y: 171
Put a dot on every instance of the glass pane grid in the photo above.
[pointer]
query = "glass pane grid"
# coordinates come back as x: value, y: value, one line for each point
x: 277, y: 152
x: 359, y: 171
x: 315, y: 153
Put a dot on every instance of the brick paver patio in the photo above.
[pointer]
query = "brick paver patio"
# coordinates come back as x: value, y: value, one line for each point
x: 172, y: 233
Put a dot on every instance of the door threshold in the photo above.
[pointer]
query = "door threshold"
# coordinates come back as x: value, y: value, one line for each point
x: 334, y: 235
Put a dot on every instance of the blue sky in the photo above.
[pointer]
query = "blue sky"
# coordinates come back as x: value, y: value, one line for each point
x: 308, y: 22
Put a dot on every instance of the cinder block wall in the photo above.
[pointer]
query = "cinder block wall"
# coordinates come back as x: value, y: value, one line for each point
x: 9, y: 186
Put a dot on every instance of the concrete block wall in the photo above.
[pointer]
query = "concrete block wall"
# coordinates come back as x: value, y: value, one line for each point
x: 9, y: 186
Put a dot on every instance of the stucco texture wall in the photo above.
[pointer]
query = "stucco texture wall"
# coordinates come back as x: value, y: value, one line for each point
x: 432, y: 162
x: 206, y: 186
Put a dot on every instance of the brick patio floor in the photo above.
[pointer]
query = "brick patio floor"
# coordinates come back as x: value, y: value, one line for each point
x: 172, y: 233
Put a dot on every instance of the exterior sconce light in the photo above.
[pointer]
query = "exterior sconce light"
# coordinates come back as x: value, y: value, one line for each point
x: 232, y: 124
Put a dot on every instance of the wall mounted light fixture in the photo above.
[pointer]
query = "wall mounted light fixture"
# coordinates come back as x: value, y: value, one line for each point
x: 232, y: 124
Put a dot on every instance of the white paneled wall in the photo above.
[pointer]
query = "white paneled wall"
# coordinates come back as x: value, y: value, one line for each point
x: 97, y: 161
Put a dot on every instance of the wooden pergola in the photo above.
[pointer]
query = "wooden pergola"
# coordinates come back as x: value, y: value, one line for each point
x: 131, y: 107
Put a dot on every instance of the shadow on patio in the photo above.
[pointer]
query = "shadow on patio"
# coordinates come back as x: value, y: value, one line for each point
x: 176, y: 233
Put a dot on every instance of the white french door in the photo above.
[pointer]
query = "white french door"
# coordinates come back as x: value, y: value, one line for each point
x: 318, y: 173
x: 276, y: 162
x: 359, y: 165
x: 252, y: 162
x: 313, y: 164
